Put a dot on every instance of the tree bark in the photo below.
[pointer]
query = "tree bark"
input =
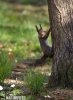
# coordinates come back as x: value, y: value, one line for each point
x: 61, y: 21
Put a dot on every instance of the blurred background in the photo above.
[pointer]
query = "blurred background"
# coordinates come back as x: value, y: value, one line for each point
x: 19, y: 42
x: 17, y: 26
x: 33, y: 2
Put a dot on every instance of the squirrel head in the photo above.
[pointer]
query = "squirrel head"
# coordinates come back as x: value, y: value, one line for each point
x: 41, y: 32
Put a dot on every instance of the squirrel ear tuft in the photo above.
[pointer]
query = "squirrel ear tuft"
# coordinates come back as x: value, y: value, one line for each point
x: 40, y: 26
x: 36, y: 28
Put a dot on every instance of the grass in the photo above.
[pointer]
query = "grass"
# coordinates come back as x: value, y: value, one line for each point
x: 6, y: 64
x: 35, y: 81
x: 17, y: 28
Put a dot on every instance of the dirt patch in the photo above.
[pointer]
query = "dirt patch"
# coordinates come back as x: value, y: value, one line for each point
x: 62, y: 94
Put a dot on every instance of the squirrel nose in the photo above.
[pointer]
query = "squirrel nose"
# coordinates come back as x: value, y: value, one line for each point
x: 43, y: 34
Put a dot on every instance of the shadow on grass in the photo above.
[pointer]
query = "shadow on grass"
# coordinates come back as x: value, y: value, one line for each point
x: 26, y: 63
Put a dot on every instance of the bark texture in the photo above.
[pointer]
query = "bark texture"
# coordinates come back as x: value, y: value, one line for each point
x: 61, y: 21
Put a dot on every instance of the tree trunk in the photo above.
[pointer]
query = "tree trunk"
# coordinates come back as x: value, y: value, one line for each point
x: 61, y: 21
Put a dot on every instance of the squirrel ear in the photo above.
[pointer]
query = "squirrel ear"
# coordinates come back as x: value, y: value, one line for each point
x: 40, y: 26
x: 36, y: 28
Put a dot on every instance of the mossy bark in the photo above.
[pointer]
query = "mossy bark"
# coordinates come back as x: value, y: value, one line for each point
x: 61, y: 21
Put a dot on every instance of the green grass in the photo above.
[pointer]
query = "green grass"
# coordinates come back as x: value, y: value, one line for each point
x: 34, y: 81
x: 17, y: 28
x: 6, y: 63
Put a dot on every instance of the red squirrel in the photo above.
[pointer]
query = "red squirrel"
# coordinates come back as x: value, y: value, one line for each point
x: 43, y: 39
